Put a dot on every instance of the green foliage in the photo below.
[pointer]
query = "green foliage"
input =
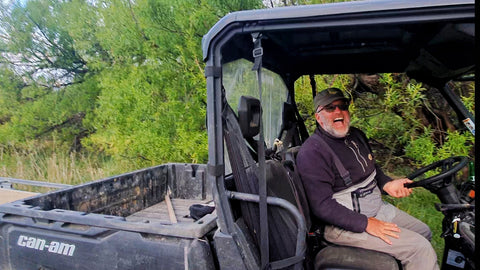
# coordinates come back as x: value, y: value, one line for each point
x: 470, y: 102
x: 152, y: 106
x: 141, y: 117
x: 456, y: 144
x: 282, y: 3
x: 119, y: 77
x: 10, y: 94
x: 425, y: 151
x: 423, y: 148
x: 38, y: 44
x: 397, y: 124
x: 84, y: 22
x: 404, y: 99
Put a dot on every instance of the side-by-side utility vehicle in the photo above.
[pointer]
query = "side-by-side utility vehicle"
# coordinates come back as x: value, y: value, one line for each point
x: 246, y: 208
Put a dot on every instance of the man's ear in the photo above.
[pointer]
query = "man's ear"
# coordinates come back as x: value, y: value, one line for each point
x: 317, y: 116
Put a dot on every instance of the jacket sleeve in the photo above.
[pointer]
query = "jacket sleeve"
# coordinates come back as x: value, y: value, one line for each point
x: 318, y: 179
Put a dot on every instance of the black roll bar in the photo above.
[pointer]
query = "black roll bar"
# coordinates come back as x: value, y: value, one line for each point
x: 302, y: 229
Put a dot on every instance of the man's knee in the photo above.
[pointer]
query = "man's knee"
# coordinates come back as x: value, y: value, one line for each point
x: 422, y: 256
x: 424, y: 246
x: 421, y: 228
x: 425, y: 231
x: 428, y: 234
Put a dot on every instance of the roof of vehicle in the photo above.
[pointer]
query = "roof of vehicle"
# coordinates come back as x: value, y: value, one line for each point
x: 428, y: 39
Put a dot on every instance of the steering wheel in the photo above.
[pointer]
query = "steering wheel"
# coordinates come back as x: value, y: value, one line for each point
x: 449, y: 166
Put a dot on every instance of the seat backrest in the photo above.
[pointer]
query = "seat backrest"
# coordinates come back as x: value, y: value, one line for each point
x: 282, y: 227
x: 297, y: 184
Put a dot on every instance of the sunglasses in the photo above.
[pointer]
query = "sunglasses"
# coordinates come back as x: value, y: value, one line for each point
x: 331, y: 108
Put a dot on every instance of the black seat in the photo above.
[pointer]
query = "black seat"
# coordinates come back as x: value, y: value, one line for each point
x: 282, y: 226
x: 343, y: 257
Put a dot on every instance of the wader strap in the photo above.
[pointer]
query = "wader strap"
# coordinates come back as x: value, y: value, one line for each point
x: 341, y: 169
x: 262, y: 182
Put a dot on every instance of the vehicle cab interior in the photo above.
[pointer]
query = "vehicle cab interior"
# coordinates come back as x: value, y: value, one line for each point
x: 253, y: 60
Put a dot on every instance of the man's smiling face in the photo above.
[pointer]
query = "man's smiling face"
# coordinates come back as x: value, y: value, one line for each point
x: 334, y: 118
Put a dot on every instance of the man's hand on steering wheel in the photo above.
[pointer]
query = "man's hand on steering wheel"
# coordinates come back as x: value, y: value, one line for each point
x: 396, y: 188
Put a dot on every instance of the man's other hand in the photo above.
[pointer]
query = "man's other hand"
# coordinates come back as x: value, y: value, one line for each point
x: 395, y: 188
x: 382, y: 229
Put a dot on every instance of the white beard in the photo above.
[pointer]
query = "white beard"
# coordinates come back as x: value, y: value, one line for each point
x: 335, y: 132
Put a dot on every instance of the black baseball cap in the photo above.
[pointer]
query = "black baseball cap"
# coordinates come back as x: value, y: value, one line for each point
x: 328, y: 96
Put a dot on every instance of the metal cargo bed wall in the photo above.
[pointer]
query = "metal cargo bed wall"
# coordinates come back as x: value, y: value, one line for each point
x: 126, y: 194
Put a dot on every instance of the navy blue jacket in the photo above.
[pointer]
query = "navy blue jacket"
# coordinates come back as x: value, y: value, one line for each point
x: 321, y: 178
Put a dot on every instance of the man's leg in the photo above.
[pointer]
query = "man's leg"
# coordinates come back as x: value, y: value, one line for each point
x: 412, y: 249
x: 406, y: 221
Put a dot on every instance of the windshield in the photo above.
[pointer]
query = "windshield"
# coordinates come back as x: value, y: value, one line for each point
x: 239, y: 80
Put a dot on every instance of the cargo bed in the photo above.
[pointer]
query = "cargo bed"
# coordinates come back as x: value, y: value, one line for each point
x: 11, y: 195
x: 160, y: 212
x: 125, y: 221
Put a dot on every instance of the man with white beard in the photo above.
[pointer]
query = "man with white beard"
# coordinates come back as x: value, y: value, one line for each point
x: 344, y: 185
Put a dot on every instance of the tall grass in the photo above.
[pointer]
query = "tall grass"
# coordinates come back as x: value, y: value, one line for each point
x: 56, y: 166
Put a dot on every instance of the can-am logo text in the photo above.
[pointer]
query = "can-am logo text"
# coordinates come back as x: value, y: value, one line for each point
x: 42, y: 244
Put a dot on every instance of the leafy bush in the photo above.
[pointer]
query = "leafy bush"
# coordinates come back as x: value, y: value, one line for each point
x: 120, y: 78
